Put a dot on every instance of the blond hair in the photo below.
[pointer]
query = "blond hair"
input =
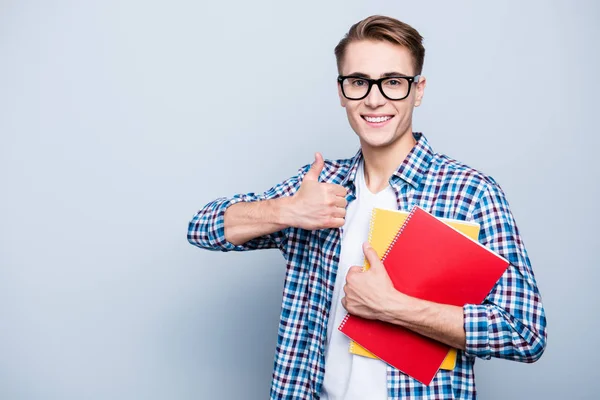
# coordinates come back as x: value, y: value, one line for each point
x: 381, y: 28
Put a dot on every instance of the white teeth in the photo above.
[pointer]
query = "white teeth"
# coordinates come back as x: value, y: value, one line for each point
x: 377, y: 119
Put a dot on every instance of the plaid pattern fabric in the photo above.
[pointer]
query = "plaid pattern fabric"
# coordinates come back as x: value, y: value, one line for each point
x: 510, y: 324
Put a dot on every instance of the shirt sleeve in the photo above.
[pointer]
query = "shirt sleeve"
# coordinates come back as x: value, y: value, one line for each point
x: 511, y: 322
x: 207, y: 230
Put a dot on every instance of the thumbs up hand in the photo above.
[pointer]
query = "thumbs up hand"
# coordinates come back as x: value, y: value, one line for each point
x: 370, y: 294
x: 318, y: 205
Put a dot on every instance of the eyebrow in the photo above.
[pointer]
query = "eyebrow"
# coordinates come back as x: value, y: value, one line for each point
x: 384, y: 75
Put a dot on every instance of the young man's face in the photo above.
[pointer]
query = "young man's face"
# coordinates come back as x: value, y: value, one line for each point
x: 380, y: 122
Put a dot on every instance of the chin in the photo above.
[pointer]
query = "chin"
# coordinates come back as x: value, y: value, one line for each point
x: 373, y: 136
x: 376, y: 140
x: 377, y: 137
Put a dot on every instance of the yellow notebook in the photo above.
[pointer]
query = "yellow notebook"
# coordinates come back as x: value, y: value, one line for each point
x: 384, y: 226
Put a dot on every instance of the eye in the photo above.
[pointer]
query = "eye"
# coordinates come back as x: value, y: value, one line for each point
x: 394, y: 82
x: 358, y: 82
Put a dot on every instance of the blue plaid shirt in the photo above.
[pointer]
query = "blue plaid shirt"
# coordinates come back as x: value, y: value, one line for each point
x: 510, y: 323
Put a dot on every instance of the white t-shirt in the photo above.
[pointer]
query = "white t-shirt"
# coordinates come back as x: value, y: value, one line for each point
x: 348, y: 376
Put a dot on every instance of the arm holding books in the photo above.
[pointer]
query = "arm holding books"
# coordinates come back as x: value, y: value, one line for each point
x: 509, y: 324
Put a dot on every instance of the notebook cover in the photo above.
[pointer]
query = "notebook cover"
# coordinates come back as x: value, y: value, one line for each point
x: 385, y: 224
x: 430, y: 260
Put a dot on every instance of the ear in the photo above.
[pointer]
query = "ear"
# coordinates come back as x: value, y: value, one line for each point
x: 420, y: 90
x: 343, y: 100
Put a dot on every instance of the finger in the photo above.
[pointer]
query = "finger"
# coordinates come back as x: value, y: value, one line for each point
x: 338, y: 212
x: 336, y: 222
x: 316, y: 168
x: 371, y: 255
x: 337, y: 190
x: 340, y: 202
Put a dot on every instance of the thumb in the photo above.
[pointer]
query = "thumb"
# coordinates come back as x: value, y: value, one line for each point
x: 316, y: 168
x: 371, y: 255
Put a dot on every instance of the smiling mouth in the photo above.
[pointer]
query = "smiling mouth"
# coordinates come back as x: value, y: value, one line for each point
x: 377, y: 120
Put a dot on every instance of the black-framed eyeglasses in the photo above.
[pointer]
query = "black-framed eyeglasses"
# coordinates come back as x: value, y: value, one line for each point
x: 392, y: 88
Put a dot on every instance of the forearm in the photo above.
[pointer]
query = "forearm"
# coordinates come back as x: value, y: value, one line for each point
x: 494, y: 329
x: 246, y: 221
x: 484, y: 330
x: 261, y: 221
x: 207, y: 228
x: 440, y: 322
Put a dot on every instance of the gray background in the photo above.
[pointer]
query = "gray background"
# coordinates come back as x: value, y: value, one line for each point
x: 120, y: 119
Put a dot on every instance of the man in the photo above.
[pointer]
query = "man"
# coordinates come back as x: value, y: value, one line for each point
x: 319, y: 220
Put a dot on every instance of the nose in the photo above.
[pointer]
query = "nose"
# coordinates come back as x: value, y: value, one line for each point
x: 375, y: 98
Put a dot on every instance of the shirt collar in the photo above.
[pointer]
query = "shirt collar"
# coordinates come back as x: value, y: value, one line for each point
x: 412, y: 170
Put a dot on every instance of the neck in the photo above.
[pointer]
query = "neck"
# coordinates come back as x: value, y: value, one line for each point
x: 381, y: 162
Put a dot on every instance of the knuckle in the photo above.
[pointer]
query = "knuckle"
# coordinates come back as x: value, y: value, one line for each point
x: 349, y: 278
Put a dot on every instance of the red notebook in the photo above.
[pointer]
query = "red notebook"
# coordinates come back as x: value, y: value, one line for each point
x: 432, y: 261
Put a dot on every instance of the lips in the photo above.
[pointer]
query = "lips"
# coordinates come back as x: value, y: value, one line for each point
x: 377, y: 120
x: 382, y: 118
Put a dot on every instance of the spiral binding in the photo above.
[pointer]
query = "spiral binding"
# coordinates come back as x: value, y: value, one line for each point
x: 412, y: 211
x: 344, y: 321
x: 372, y: 223
x: 351, y: 348
x: 370, y: 238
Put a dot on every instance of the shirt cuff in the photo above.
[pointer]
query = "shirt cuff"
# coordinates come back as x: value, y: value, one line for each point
x: 476, y: 326
x: 217, y: 236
